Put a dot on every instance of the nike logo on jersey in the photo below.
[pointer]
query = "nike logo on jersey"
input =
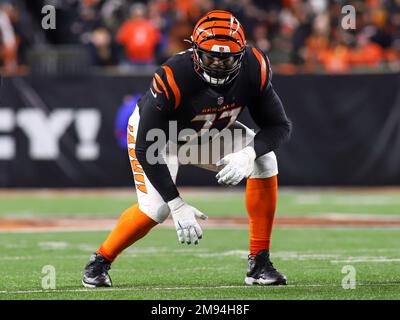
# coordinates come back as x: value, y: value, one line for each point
x: 154, y: 94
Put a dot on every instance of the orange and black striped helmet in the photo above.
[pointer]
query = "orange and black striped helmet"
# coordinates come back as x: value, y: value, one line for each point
x: 218, y: 43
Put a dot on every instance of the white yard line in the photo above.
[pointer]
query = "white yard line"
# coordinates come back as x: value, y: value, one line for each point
x: 341, y: 200
x: 242, y: 254
x: 343, y: 216
x: 216, y: 227
x: 366, y: 259
x: 97, y: 290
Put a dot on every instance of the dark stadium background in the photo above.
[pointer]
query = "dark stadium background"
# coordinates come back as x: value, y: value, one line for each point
x: 340, y: 87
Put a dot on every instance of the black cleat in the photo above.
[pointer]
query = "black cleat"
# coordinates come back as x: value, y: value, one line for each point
x: 261, y: 271
x: 96, y: 272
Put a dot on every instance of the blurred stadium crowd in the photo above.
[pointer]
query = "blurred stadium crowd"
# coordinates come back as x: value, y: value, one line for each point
x: 298, y: 35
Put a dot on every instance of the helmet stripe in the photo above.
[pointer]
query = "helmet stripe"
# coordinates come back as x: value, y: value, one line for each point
x: 208, y: 19
x: 215, y: 14
x: 222, y: 37
x: 216, y: 20
x: 219, y: 27
x: 233, y: 19
x: 200, y: 31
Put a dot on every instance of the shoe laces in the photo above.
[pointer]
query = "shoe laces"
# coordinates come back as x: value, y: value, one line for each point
x: 269, y: 265
x: 250, y: 257
x: 100, y: 264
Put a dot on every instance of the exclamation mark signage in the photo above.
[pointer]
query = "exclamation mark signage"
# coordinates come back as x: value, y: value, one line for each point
x: 87, y: 127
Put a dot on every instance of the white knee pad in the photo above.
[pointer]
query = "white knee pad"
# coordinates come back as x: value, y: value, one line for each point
x: 159, y: 212
x: 265, y: 166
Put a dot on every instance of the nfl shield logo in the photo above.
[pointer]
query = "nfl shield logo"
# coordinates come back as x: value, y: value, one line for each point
x: 220, y: 100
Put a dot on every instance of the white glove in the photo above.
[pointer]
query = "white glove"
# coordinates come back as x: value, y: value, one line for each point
x: 186, y: 225
x: 238, y: 165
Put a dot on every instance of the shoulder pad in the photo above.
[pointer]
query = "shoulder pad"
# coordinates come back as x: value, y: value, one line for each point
x: 167, y: 77
x: 259, y: 62
x: 164, y: 83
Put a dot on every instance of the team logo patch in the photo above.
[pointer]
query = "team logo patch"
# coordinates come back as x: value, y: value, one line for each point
x: 220, y: 100
x: 217, y: 48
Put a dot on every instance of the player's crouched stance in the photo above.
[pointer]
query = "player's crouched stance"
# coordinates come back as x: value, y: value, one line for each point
x: 204, y: 88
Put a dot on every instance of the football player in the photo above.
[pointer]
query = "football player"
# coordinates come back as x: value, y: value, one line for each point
x: 205, y: 87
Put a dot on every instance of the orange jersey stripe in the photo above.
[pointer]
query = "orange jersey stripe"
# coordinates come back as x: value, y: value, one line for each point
x: 132, y: 153
x: 155, y: 86
x: 142, y: 187
x: 139, y: 178
x: 160, y: 81
x: 263, y: 67
x: 173, y: 85
x: 136, y: 167
x: 131, y: 139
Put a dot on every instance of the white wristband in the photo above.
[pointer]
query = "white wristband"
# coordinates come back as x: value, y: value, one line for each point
x: 250, y: 152
x: 175, y: 203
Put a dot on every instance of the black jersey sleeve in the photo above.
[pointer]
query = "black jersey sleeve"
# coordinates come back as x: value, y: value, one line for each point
x: 156, y: 107
x: 267, y: 109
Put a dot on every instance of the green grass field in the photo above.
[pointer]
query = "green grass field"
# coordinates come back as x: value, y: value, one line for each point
x: 229, y: 203
x: 158, y: 267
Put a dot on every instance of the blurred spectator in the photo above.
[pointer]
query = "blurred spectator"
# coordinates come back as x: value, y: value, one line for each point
x: 125, y: 110
x: 8, y: 40
x: 103, y: 50
x: 367, y: 53
x: 318, y: 42
x: 336, y: 59
x: 181, y: 30
x: 298, y: 35
x: 139, y: 37
x: 260, y: 37
x: 112, y: 13
x: 186, y: 9
x: 303, y: 15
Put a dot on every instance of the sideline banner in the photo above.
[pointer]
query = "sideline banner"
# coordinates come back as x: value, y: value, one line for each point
x: 69, y: 131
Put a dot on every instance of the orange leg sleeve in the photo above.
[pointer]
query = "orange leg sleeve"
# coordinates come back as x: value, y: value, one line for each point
x: 261, y: 198
x: 132, y: 226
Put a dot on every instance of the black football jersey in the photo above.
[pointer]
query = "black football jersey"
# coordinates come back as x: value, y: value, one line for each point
x: 178, y: 93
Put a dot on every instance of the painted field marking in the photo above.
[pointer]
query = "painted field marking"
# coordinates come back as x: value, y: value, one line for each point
x: 56, y: 245
x: 366, y: 259
x: 97, y: 290
x: 334, y: 256
x: 340, y: 199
